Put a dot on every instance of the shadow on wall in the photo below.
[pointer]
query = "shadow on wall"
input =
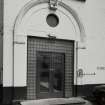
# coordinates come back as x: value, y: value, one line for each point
x: 1, y: 90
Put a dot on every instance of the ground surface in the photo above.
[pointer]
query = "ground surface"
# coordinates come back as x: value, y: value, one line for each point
x: 59, y: 101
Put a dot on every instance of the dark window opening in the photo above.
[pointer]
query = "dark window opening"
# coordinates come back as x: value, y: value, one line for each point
x: 52, y: 20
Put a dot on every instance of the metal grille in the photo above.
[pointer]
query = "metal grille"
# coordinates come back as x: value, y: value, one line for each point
x: 49, y: 45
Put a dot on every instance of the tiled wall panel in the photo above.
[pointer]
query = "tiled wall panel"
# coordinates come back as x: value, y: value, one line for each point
x: 49, y: 45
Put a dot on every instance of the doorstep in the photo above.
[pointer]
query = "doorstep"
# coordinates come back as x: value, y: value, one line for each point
x: 55, y: 101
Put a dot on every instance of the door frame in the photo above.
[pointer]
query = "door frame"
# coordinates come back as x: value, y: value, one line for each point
x: 74, y: 57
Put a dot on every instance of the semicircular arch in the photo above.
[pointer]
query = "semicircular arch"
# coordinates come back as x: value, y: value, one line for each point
x: 33, y: 3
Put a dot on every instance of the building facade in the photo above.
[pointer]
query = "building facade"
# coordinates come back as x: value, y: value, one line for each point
x: 51, y: 48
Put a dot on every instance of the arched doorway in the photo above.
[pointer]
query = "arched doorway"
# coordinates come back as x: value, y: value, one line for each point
x: 41, y: 33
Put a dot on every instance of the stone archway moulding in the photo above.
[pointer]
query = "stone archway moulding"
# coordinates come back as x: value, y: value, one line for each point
x: 19, y: 69
x: 33, y: 3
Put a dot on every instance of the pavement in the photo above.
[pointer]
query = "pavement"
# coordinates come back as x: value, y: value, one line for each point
x: 58, y: 101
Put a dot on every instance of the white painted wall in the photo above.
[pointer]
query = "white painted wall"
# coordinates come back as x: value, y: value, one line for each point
x: 1, y: 41
x: 1, y: 58
x: 92, y: 15
x: 92, y: 59
x: 11, y: 9
x: 15, y: 69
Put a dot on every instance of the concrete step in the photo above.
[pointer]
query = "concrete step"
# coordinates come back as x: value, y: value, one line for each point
x: 55, y: 101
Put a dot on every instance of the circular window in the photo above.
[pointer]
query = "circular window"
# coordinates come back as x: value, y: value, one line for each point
x: 52, y: 20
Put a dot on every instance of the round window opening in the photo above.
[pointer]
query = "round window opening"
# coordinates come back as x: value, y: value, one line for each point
x: 52, y: 20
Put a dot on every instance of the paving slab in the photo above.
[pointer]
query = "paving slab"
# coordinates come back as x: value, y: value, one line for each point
x: 56, y: 101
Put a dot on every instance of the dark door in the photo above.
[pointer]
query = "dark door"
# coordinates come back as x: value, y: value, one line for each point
x: 50, y: 74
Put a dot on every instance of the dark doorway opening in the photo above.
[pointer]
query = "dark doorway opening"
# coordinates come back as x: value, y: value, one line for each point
x: 50, y: 74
